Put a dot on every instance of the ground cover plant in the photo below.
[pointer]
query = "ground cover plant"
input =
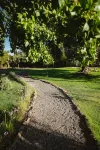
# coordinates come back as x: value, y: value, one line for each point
x: 14, y: 99
x: 84, y: 88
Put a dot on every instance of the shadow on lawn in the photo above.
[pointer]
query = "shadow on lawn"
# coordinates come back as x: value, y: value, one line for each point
x: 52, y: 73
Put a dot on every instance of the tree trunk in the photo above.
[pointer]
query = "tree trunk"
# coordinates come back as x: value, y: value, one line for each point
x: 84, y: 69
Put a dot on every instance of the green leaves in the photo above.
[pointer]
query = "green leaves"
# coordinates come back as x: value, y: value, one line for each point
x: 98, y: 36
x: 36, y: 38
x: 26, y: 43
x: 97, y: 7
x: 61, y: 2
x: 42, y: 53
x: 2, y: 32
x: 4, y: 59
x: 83, y: 3
x: 73, y: 13
x: 86, y: 3
x: 37, y: 13
x: 40, y: 28
x: 86, y: 27
x: 90, y: 2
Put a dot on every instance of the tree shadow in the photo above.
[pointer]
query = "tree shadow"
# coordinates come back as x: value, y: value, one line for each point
x: 41, y: 137
x: 53, y: 73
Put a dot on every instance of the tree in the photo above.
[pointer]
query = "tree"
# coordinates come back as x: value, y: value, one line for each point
x: 37, y: 25
x: 4, y: 60
x: 2, y: 33
x: 26, y: 33
x: 17, y: 58
x: 82, y: 30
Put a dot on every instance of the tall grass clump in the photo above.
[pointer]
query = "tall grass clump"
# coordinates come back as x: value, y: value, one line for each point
x: 5, y: 83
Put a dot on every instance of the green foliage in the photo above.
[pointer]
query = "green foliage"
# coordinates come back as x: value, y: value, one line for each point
x: 36, y: 38
x: 83, y: 28
x: 36, y: 24
x: 1, y: 41
x: 26, y: 93
x: 16, y: 59
x: 2, y: 33
x: 10, y: 93
x: 14, y: 100
x: 5, y: 84
x: 9, y: 89
x: 43, y: 55
x: 4, y: 59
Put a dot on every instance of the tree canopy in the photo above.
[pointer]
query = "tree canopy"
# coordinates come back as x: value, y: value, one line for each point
x: 38, y: 27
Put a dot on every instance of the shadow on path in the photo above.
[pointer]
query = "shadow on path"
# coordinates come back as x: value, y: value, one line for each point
x: 33, y: 138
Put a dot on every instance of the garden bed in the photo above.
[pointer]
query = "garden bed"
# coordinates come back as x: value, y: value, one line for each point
x: 15, y: 97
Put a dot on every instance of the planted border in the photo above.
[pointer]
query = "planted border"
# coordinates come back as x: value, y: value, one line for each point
x: 29, y: 93
x: 13, y: 120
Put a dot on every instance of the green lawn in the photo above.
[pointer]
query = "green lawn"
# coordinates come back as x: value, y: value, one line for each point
x: 85, y: 90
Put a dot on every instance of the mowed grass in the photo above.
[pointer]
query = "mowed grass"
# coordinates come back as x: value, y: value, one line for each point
x: 85, y: 90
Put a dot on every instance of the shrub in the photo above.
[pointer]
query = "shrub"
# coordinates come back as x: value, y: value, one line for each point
x: 5, y: 84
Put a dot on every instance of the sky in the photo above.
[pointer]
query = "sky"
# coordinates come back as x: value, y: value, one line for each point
x: 7, y: 45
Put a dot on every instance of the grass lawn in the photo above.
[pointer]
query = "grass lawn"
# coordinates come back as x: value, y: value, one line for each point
x: 85, y: 90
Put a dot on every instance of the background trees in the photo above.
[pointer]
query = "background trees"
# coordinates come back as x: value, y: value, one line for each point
x: 4, y: 60
x: 2, y: 32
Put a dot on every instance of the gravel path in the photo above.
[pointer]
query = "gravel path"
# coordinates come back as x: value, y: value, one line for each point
x: 52, y: 123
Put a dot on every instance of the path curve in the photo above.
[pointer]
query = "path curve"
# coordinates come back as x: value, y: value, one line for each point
x: 52, y: 123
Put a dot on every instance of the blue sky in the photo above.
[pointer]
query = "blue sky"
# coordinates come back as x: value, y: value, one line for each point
x: 7, y: 45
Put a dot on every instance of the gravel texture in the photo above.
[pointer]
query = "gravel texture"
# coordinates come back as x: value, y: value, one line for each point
x: 52, y: 123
